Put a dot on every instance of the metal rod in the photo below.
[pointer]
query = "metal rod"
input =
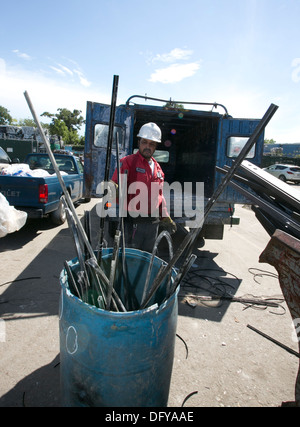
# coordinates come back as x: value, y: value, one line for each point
x: 63, y: 186
x: 113, y: 267
x: 108, y: 157
x: 290, y: 350
x: 82, y: 274
x: 93, y: 263
x: 192, y: 236
x: 182, y: 273
x: 117, y: 239
x: 71, y: 280
x: 213, y: 104
x: 165, y: 234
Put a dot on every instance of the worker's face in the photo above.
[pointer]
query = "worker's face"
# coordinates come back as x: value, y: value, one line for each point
x: 147, y: 148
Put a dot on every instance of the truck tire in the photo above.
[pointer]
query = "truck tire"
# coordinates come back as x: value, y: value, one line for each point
x: 59, y: 216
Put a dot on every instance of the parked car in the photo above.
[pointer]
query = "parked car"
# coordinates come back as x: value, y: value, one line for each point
x: 285, y: 172
x: 34, y: 187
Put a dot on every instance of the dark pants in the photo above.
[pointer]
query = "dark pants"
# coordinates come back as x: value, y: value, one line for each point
x: 140, y: 234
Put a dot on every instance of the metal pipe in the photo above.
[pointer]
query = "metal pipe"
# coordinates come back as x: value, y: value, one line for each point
x: 71, y: 280
x: 182, y: 273
x: 93, y: 263
x: 117, y: 239
x: 108, y: 157
x: 63, y: 186
x: 155, y: 246
x: 213, y: 104
x: 290, y: 350
x: 192, y: 236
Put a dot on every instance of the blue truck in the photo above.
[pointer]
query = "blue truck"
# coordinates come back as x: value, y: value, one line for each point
x: 194, y: 143
x: 41, y: 196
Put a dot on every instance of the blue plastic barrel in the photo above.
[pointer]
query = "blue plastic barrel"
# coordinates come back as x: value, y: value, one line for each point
x: 112, y: 358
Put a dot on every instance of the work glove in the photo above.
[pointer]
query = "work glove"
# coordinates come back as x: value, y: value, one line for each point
x: 168, y: 224
x: 112, y: 190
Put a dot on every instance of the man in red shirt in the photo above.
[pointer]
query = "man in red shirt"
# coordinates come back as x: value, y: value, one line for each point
x: 146, y: 205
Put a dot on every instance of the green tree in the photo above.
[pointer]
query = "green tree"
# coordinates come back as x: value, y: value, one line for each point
x: 28, y: 122
x: 173, y: 105
x: 269, y: 141
x: 5, y: 117
x: 59, y: 128
x: 66, y: 124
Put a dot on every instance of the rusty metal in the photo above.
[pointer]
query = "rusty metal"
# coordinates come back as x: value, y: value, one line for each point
x: 166, y: 101
x: 283, y: 253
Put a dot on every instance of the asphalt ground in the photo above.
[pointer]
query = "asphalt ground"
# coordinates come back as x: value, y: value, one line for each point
x: 218, y: 360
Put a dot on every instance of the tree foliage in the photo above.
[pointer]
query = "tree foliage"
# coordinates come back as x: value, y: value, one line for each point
x: 173, y: 105
x: 5, y: 117
x: 26, y: 122
x: 66, y: 124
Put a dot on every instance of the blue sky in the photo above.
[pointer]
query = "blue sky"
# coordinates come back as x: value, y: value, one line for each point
x: 244, y: 54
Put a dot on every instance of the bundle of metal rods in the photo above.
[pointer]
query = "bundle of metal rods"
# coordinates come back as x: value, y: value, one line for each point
x: 88, y: 280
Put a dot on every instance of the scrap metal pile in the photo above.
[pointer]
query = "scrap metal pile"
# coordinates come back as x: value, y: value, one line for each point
x: 275, y: 203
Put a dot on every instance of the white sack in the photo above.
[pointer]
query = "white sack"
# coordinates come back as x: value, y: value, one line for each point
x: 17, y: 169
x: 11, y: 219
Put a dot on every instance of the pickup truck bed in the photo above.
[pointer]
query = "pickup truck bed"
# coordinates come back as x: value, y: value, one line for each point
x: 41, y: 196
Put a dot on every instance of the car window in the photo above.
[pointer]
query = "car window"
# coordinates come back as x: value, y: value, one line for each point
x: 80, y: 165
x: 4, y: 158
x: 160, y: 156
x: 280, y: 167
x: 295, y: 169
x: 39, y: 162
x: 101, y: 135
x: 235, y: 145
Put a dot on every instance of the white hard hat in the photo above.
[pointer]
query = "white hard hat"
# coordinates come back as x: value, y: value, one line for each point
x: 150, y: 131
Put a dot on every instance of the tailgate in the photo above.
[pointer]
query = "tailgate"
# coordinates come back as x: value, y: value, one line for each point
x: 21, y: 191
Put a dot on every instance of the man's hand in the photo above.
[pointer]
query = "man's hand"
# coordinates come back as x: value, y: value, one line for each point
x: 168, y: 224
x: 110, y: 189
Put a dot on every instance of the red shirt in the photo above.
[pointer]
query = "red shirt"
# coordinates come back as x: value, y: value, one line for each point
x: 144, y: 189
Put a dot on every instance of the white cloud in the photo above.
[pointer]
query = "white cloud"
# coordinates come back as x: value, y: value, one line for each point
x: 67, y: 72
x: 174, y: 73
x: 82, y: 79
x: 176, y: 54
x: 22, y: 55
x: 296, y: 70
x: 46, y: 94
x: 57, y: 70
